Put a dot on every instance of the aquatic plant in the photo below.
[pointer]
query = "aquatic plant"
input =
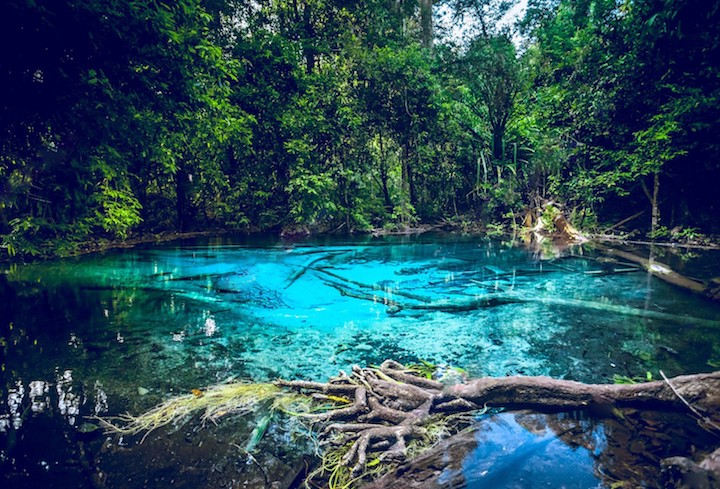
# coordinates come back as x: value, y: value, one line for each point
x: 216, y: 401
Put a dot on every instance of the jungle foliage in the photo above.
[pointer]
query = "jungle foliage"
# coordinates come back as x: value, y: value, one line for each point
x: 123, y: 117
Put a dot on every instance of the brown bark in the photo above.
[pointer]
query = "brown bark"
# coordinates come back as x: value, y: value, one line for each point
x: 392, y: 404
x: 567, y: 231
x: 655, y: 218
x: 700, y: 390
x: 384, y: 175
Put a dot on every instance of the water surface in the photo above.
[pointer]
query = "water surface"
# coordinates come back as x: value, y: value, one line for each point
x: 121, y: 330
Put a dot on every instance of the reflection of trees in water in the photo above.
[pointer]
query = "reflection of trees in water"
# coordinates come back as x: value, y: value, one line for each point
x: 634, y: 443
x: 627, y: 448
x: 65, y: 397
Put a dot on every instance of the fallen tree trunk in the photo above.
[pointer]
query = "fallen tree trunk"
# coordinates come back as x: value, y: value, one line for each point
x: 665, y: 273
x: 612, y: 238
x: 487, y: 301
x: 362, y: 285
x: 392, y: 405
x: 378, y: 417
x: 305, y: 267
x: 624, y: 221
x: 700, y: 390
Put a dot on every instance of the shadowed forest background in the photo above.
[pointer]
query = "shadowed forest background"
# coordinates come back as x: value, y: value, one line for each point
x: 124, y: 117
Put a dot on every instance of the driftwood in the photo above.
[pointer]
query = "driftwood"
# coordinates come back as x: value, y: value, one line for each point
x: 391, y: 404
x: 624, y: 221
x: 376, y: 419
x: 662, y: 271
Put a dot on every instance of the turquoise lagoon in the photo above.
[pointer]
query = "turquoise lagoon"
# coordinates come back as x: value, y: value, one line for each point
x: 119, y: 331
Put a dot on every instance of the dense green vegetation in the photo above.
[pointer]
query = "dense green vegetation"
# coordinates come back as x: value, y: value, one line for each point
x: 122, y: 117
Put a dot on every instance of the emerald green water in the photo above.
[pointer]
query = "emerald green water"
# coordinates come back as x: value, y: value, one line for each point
x: 121, y: 330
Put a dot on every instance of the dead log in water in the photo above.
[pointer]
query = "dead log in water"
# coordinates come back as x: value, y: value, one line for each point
x: 374, y: 415
x: 486, y: 301
x: 391, y: 405
x: 710, y: 290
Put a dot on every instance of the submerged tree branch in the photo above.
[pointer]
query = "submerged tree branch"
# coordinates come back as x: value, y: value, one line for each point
x: 665, y: 273
x: 503, y: 298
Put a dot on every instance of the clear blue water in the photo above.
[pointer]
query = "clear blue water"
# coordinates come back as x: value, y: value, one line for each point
x: 121, y: 330
x: 524, y: 452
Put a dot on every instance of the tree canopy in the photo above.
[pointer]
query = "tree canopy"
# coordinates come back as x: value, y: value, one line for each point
x: 126, y: 117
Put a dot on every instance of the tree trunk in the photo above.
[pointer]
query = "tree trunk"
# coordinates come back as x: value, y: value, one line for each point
x: 309, y: 38
x: 182, y: 184
x: 655, y: 210
x: 544, y: 393
x: 498, y: 137
x: 384, y: 175
x: 407, y: 174
x: 411, y: 185
x: 653, y: 198
x: 385, y: 190
x: 710, y: 290
x: 426, y: 22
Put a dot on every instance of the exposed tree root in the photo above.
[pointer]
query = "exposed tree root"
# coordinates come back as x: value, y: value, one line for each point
x: 392, y: 404
x: 375, y: 417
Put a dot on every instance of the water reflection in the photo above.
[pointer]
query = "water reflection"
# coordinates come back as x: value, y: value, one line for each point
x: 68, y: 401
x: 37, y: 398
x: 199, y: 314
x: 14, y: 405
x: 101, y: 399
x: 565, y: 450
x: 523, y: 451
